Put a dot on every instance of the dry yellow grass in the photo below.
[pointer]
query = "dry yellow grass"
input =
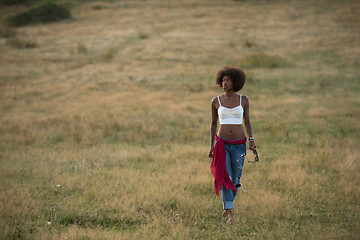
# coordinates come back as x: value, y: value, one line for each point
x: 104, y: 126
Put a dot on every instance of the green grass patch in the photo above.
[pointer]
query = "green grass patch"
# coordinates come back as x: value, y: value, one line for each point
x: 97, y: 7
x: 18, y: 43
x: 109, y: 55
x: 143, y: 36
x: 82, y: 49
x: 249, y: 43
x: 7, y: 32
x: 98, y: 221
x: 261, y: 61
x: 44, y: 12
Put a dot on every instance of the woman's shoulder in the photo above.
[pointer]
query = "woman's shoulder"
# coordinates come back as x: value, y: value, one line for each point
x: 215, y: 101
x: 244, y: 97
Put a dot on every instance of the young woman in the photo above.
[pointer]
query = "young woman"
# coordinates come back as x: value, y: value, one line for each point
x: 229, y: 152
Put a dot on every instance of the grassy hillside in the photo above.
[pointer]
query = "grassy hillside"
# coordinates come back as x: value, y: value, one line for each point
x: 104, y: 120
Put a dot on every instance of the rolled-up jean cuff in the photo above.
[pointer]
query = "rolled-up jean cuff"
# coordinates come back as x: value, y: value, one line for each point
x: 228, y: 205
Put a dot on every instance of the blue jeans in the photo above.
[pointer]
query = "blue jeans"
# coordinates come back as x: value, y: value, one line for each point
x: 235, y: 158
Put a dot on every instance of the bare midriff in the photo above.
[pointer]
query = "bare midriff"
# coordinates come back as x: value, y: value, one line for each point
x: 231, y: 131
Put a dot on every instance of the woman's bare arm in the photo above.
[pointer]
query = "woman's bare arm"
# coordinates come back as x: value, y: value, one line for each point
x: 247, y: 122
x: 213, y: 126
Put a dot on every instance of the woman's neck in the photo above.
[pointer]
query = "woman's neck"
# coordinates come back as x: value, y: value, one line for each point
x: 229, y: 94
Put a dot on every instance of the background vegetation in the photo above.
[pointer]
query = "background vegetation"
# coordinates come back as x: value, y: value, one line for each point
x: 104, y: 120
x: 44, y: 12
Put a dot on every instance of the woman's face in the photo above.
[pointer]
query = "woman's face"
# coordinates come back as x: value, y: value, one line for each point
x: 227, y: 84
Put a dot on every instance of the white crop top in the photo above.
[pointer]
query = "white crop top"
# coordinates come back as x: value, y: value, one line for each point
x: 230, y: 115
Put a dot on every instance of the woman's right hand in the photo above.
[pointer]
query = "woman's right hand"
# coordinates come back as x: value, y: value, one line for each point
x: 211, y: 152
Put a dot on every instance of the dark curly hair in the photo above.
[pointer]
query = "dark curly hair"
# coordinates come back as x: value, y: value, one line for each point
x: 236, y: 75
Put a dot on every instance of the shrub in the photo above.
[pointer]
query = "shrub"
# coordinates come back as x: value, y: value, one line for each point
x: 13, y: 2
x: 43, y: 13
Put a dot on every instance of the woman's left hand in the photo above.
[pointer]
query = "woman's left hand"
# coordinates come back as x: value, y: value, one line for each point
x: 252, y: 145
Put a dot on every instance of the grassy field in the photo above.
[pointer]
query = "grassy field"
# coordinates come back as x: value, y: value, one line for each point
x: 105, y: 118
